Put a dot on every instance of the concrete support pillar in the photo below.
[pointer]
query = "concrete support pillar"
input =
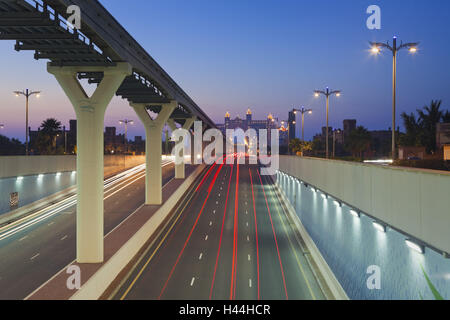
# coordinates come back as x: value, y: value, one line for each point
x: 192, y: 147
x: 90, y: 112
x: 153, y: 148
x: 180, y: 168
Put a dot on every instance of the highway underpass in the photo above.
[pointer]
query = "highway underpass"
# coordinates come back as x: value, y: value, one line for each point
x: 41, y: 245
x: 230, y: 239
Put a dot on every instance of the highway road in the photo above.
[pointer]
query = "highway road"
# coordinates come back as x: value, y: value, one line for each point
x: 229, y: 239
x: 34, y: 249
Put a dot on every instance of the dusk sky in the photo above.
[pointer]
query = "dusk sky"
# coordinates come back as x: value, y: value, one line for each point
x: 230, y: 55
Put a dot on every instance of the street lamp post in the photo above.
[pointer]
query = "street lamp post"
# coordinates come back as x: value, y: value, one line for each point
x: 376, y: 49
x: 27, y: 94
x: 303, y: 111
x: 289, y: 131
x: 327, y: 93
x: 334, y: 142
x: 126, y: 122
x: 65, y: 140
x: 288, y: 125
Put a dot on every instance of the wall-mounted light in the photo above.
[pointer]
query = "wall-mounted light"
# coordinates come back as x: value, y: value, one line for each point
x: 323, y: 196
x: 20, y: 178
x: 415, y: 246
x: 355, y: 214
x: 380, y: 227
x: 40, y: 176
x: 337, y: 203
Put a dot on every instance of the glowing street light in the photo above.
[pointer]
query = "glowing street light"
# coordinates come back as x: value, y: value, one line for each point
x: 126, y: 122
x: 376, y: 49
x: 327, y: 93
x: 303, y: 111
x: 27, y: 95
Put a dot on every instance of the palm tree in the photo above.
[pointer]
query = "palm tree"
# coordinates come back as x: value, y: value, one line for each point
x: 429, y: 117
x: 296, y: 146
x: 46, y: 139
x: 413, y: 130
x: 51, y: 127
x: 446, y: 117
x: 358, y: 141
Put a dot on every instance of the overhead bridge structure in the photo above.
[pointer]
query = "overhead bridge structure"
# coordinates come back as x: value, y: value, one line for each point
x: 104, y: 53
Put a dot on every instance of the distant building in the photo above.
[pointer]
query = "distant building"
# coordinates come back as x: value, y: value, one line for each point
x: 248, y: 123
x: 139, y: 145
x: 338, y: 134
x: 447, y: 152
x: 72, y: 136
x: 349, y: 126
x: 114, y: 143
x: 323, y: 135
x: 442, y: 135
x: 292, y: 125
x: 381, y: 142
x: 411, y: 153
x: 380, y: 145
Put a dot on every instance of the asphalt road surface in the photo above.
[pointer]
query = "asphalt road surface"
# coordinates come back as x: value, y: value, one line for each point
x: 33, y: 251
x: 229, y: 239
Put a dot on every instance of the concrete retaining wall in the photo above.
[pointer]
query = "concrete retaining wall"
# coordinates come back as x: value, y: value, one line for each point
x: 13, y: 166
x: 414, y: 201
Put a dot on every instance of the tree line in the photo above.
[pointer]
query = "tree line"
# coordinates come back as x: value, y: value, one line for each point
x: 43, y: 143
x: 420, y: 131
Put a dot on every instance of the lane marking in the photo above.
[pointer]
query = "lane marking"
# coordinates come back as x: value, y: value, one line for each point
x: 293, y: 249
x: 221, y: 234
x: 51, y: 223
x: 192, y: 230
x: 35, y: 256
x: 206, y: 238
x: 110, y: 232
x: 275, y: 237
x: 64, y: 238
x: 210, y: 223
x: 23, y: 238
x: 200, y: 257
x: 250, y: 283
x: 249, y: 258
x: 256, y: 233
x: 188, y: 202
x: 235, y: 236
x: 192, y: 281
